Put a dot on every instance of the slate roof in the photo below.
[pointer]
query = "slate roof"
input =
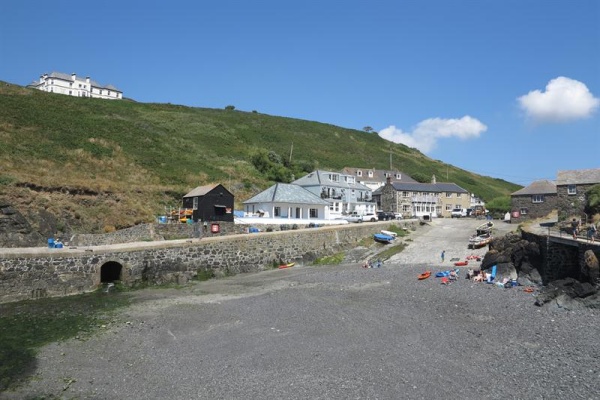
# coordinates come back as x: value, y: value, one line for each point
x: 320, y: 178
x: 201, y: 190
x: 538, y: 187
x: 67, y: 77
x: 578, y: 177
x: 429, y: 187
x: 378, y: 174
x: 286, y: 193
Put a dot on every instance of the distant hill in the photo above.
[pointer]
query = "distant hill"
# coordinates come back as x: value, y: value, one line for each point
x: 90, y: 165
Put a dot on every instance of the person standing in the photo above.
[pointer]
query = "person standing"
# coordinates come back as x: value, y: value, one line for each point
x: 575, y: 228
x: 591, y: 232
x: 443, y: 255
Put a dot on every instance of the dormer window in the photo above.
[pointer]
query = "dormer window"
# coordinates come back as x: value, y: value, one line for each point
x: 370, y: 174
x: 359, y: 173
x: 398, y: 176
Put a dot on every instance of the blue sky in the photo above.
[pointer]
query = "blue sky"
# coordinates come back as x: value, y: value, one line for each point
x: 508, y: 89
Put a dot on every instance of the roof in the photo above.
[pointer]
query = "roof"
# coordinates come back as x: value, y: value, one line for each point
x: 578, y: 176
x: 537, y: 187
x: 286, y: 193
x: 201, y: 190
x: 429, y: 187
x: 379, y: 175
x: 67, y: 77
x: 321, y: 178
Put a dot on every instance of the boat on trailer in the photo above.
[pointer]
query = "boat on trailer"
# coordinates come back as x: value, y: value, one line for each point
x: 382, y: 238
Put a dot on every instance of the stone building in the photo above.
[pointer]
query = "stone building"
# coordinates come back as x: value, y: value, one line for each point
x: 422, y: 199
x: 571, y: 189
x: 534, y: 201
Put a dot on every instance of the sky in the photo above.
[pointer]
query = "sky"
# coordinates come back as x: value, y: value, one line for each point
x: 508, y: 89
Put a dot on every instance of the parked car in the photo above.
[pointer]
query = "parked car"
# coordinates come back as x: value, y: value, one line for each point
x: 398, y: 215
x: 458, y: 212
x: 385, y: 215
x: 372, y: 217
x: 354, y: 218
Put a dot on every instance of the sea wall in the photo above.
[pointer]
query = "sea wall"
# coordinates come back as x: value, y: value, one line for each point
x: 76, y: 269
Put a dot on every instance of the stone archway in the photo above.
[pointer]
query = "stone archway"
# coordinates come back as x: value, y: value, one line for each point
x: 111, y: 271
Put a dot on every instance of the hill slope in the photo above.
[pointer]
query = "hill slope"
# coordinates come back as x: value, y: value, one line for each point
x: 92, y: 165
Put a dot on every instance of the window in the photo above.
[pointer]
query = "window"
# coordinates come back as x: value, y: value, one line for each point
x: 537, y: 198
x: 195, y: 203
x: 314, y: 213
x: 448, y: 194
x: 370, y: 174
x: 332, y: 177
x: 359, y: 173
x: 458, y: 195
x: 523, y: 211
x: 404, y: 194
x: 70, y: 92
x: 398, y: 176
x: 572, y: 189
x: 448, y: 207
x: 277, y: 211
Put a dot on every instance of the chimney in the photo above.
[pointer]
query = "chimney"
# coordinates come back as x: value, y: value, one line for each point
x: 87, y: 79
x: 433, y: 180
x: 388, y: 180
x: 73, y: 76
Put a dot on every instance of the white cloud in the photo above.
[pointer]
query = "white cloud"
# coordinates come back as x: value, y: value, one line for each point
x: 565, y: 99
x: 426, y: 134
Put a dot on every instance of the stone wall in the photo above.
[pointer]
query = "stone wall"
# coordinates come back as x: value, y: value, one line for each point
x: 58, y: 272
x: 561, y: 259
x: 534, y: 210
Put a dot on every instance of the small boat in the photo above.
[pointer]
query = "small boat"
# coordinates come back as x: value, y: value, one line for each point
x: 381, y: 238
x: 461, y: 263
x: 288, y: 265
x: 478, y: 241
x: 424, y: 275
x: 389, y: 233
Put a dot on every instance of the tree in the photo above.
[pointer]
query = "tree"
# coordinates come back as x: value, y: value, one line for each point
x: 230, y: 108
x: 592, y: 205
x: 368, y: 129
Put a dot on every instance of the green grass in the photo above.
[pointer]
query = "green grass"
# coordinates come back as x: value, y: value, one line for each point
x: 27, y: 325
x: 136, y: 158
x: 330, y: 260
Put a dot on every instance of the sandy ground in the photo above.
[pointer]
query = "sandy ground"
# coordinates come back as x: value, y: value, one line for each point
x: 334, y: 332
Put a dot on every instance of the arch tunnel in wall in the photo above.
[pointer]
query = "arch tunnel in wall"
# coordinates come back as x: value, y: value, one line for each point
x: 110, y: 272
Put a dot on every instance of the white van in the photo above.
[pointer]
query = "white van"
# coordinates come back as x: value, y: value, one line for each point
x: 458, y: 213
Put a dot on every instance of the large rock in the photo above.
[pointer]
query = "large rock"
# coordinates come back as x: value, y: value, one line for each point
x: 518, y: 258
x: 590, y: 270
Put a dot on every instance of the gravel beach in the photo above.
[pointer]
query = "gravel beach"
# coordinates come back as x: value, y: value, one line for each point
x: 334, y: 332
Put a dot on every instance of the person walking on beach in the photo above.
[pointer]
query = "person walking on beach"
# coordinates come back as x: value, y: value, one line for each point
x: 443, y: 255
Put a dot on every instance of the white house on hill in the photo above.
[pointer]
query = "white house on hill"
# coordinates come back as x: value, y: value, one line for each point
x: 72, y: 85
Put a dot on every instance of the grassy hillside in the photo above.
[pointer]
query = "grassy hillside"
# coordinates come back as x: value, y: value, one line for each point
x: 98, y: 165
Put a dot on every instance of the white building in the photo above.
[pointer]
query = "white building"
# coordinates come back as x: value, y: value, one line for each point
x: 341, y: 191
x: 71, y: 85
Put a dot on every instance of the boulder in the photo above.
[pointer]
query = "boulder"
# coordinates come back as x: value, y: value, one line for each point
x: 590, y: 269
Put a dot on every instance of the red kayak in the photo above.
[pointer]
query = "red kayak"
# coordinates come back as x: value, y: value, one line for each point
x: 288, y: 265
x: 461, y: 263
x: 424, y: 275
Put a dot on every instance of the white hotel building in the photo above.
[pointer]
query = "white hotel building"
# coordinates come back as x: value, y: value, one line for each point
x: 57, y: 82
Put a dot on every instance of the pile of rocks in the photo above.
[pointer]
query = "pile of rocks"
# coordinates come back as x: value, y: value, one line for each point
x: 516, y: 258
